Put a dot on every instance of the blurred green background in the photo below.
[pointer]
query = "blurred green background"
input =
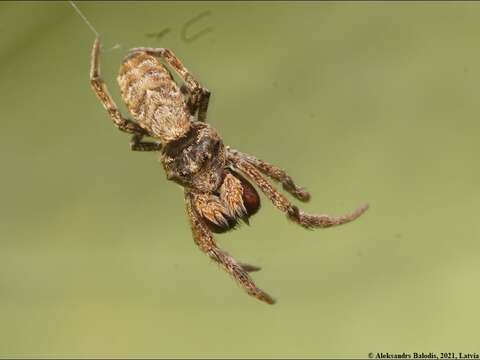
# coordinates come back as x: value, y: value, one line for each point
x: 358, y: 101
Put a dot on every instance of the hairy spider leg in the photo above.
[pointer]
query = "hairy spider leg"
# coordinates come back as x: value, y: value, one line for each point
x: 275, y: 173
x: 308, y: 221
x: 204, y: 239
x: 122, y: 123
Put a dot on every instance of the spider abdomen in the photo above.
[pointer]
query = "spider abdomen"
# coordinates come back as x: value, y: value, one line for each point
x: 153, y: 97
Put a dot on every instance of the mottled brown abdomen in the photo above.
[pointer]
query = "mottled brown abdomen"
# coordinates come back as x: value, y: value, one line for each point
x: 153, y: 97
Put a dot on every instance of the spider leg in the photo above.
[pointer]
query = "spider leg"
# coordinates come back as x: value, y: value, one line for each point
x: 205, y: 241
x: 136, y: 144
x: 199, y: 95
x: 275, y: 173
x: 308, y: 221
x: 102, y: 93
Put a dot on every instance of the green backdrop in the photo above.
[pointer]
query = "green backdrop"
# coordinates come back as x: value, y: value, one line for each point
x: 359, y: 102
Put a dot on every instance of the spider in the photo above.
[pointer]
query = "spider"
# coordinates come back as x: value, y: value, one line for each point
x: 216, y: 178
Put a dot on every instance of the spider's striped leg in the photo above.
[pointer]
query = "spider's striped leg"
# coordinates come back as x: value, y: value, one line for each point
x: 275, y: 173
x: 102, y: 93
x: 199, y: 95
x: 308, y: 221
x: 136, y: 144
x: 205, y: 241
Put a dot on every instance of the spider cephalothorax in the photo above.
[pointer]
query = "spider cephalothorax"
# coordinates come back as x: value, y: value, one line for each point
x: 217, y: 179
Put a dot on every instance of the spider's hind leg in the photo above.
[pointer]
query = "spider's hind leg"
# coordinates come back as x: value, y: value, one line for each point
x: 100, y: 89
x: 136, y: 144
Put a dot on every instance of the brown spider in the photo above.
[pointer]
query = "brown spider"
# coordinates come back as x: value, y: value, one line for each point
x: 214, y: 176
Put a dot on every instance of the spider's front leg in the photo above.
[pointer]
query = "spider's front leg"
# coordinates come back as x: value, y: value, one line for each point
x: 308, y: 221
x: 275, y: 173
x: 204, y: 239
x: 199, y: 96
